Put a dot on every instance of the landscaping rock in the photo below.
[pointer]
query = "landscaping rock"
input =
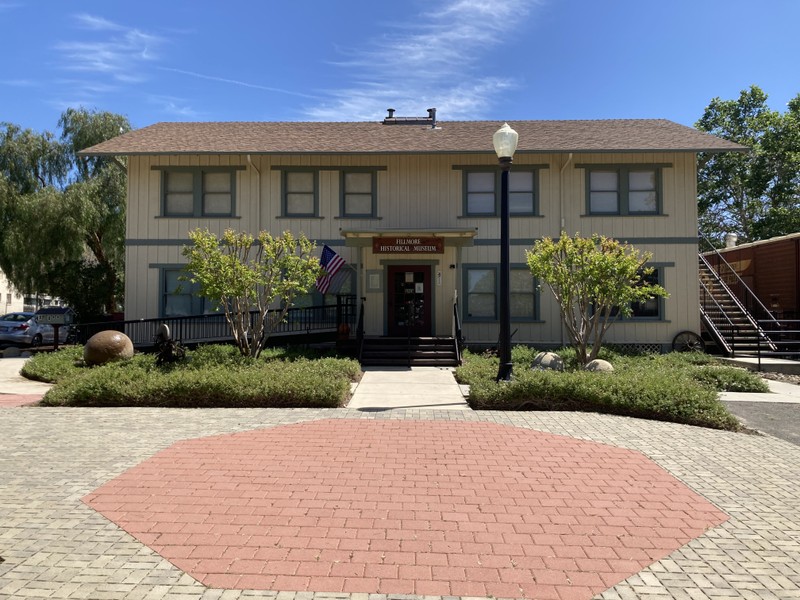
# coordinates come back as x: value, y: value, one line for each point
x: 599, y: 366
x: 107, y: 346
x: 26, y: 354
x: 548, y: 360
x: 11, y: 352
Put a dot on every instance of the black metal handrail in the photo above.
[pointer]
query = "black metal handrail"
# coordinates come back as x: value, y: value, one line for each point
x: 360, y: 329
x: 214, y: 327
x: 720, y: 311
x: 746, y: 313
x: 457, y: 336
x: 730, y: 278
x: 785, y: 339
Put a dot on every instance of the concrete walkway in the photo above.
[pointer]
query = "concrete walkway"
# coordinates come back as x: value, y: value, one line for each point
x: 386, y: 388
x: 16, y: 390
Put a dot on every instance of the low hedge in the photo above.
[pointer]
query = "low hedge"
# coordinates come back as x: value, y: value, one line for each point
x: 212, y: 376
x: 682, y: 388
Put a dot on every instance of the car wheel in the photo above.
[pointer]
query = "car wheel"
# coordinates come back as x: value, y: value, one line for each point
x: 37, y: 340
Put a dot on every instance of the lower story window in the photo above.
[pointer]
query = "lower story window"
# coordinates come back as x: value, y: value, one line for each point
x: 482, y: 287
x: 650, y: 308
x: 481, y: 293
x: 180, y: 298
x: 523, y: 295
x: 343, y: 283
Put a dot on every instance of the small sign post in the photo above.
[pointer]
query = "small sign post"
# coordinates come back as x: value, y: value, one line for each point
x: 55, y: 316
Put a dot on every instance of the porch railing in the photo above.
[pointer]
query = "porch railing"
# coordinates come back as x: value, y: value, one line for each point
x: 208, y: 328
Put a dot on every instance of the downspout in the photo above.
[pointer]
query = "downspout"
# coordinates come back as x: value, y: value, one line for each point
x: 561, y: 219
x: 561, y: 193
x: 360, y: 275
x: 258, y: 197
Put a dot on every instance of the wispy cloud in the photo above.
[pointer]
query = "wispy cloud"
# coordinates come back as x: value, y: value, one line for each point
x: 174, y: 107
x: 21, y: 83
x: 433, y: 64
x: 254, y: 86
x: 120, y: 54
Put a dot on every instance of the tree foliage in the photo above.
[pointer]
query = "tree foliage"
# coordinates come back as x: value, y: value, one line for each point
x: 594, y: 281
x: 239, y: 276
x: 756, y: 194
x: 62, y: 216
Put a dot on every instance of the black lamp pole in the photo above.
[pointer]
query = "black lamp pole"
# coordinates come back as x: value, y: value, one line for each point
x: 504, y: 350
x: 505, y: 144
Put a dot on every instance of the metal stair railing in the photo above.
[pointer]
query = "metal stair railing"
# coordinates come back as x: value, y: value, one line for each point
x: 735, y: 298
x: 712, y: 325
x: 457, y: 333
x: 360, y: 329
x: 740, y: 290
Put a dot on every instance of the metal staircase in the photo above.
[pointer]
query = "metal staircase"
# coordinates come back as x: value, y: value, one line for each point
x: 729, y: 321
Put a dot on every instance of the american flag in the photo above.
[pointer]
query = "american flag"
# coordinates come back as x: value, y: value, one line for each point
x: 331, y: 263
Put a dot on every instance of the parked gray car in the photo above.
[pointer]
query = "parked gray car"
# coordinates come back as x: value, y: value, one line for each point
x: 21, y: 328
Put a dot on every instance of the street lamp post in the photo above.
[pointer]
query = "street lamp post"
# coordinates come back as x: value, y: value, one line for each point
x: 505, y: 144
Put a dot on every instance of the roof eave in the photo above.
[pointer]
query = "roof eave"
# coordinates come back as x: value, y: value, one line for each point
x: 89, y: 152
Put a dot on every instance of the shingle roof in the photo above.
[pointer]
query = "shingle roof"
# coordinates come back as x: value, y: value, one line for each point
x: 621, y: 135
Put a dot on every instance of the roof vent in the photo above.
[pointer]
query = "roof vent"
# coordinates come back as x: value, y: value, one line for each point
x: 430, y: 120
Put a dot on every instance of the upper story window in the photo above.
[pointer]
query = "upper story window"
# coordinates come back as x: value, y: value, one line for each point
x: 358, y: 193
x: 482, y: 192
x: 301, y: 193
x: 623, y: 190
x: 198, y: 191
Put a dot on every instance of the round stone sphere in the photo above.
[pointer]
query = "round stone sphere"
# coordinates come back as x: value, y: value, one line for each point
x: 599, y: 366
x: 548, y: 360
x: 107, y: 346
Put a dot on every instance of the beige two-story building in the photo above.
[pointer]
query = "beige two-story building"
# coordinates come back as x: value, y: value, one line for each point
x: 412, y: 205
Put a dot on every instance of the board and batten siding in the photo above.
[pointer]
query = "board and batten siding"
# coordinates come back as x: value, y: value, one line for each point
x: 424, y: 192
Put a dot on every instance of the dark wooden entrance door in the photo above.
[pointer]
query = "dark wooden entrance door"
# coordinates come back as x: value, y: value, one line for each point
x: 409, y: 301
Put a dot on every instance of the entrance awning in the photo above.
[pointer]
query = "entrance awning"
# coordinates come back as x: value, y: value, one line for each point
x: 451, y: 237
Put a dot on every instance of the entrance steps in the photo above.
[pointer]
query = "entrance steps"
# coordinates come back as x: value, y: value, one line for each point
x: 409, y: 352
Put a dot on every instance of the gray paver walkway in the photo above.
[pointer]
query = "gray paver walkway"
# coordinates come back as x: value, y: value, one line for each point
x: 54, y: 546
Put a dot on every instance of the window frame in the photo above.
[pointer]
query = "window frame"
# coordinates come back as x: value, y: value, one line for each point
x: 285, y: 173
x: 623, y: 172
x: 534, y: 318
x: 317, y: 298
x: 196, y: 300
x: 497, y: 172
x: 466, y: 293
x: 198, y: 191
x: 373, y: 172
x: 659, y: 271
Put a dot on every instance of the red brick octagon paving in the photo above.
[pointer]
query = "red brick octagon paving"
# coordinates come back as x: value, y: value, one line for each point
x: 406, y: 507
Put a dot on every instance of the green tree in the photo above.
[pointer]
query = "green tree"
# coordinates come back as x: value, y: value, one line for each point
x: 594, y: 281
x: 239, y: 276
x: 755, y: 194
x: 62, y: 215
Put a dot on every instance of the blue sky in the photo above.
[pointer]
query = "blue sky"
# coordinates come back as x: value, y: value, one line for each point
x: 348, y: 60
